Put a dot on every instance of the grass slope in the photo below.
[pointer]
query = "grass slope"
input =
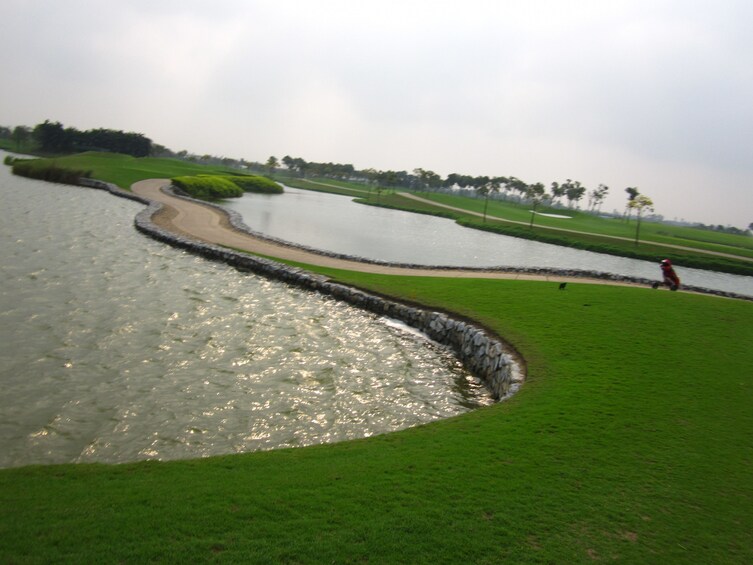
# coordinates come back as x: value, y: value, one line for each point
x: 124, y: 170
x: 582, y: 221
x: 581, y: 230
x: 699, y: 255
x: 632, y: 440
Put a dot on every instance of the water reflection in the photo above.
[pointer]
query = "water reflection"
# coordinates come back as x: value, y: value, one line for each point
x: 335, y: 223
x: 115, y: 347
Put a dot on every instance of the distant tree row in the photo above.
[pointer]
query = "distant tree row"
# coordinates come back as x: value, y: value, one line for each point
x: 52, y: 137
x: 303, y: 168
x: 19, y: 135
x: 422, y: 179
x: 725, y: 229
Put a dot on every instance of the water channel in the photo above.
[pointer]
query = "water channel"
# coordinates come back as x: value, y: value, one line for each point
x: 115, y: 347
x: 335, y: 223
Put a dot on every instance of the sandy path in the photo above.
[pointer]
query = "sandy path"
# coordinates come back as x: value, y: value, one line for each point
x: 205, y: 223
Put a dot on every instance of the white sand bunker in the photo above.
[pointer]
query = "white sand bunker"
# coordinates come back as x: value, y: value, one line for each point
x: 551, y: 215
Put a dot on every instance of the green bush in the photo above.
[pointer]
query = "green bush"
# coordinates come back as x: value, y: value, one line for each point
x: 254, y: 183
x: 208, y: 187
x: 47, y: 171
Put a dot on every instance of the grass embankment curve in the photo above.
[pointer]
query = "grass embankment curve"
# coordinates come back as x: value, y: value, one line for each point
x: 685, y: 245
x: 632, y: 440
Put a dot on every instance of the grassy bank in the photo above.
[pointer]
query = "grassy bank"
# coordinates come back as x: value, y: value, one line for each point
x: 615, y: 227
x: 630, y: 441
x: 738, y: 259
x: 49, y: 171
x: 600, y: 235
x: 123, y: 170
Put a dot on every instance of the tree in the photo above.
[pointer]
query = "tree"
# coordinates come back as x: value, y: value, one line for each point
x: 597, y: 196
x: 272, y: 164
x: 515, y: 183
x: 52, y: 137
x: 486, y: 187
x: 641, y: 203
x: 295, y: 165
x: 535, y: 192
x: 455, y: 179
x: 574, y: 192
x: 371, y: 179
x: 558, y: 191
x: 632, y: 194
x: 20, y: 135
x: 427, y: 179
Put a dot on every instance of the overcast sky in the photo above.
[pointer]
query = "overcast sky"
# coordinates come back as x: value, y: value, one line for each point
x: 656, y: 94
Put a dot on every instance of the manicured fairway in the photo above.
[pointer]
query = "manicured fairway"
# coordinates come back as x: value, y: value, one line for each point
x: 632, y: 440
x: 124, y: 170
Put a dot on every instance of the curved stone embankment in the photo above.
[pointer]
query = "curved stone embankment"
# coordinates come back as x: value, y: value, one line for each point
x: 273, y: 247
x: 483, y: 353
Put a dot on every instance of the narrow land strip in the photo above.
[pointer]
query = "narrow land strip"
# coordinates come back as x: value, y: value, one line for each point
x: 567, y: 230
x: 208, y: 224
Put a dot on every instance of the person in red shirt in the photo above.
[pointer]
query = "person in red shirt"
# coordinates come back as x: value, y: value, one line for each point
x: 670, y: 277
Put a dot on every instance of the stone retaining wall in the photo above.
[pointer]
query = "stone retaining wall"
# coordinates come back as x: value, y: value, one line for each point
x: 483, y: 353
x: 237, y: 222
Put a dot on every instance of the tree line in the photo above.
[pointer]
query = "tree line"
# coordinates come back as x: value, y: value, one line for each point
x: 422, y: 179
x: 53, y: 137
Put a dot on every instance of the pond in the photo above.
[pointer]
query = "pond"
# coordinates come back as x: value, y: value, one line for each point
x: 115, y: 347
x: 338, y: 224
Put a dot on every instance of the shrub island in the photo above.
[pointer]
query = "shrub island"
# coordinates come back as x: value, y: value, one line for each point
x: 218, y: 187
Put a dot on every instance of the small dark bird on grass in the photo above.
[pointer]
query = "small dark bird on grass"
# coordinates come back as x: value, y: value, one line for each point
x: 563, y: 285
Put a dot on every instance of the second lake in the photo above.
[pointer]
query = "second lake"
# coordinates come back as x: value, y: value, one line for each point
x: 335, y: 223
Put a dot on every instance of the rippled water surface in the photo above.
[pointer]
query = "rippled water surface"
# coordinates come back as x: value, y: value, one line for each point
x: 115, y: 347
x: 336, y: 223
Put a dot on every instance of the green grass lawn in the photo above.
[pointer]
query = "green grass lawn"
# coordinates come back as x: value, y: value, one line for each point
x: 124, y: 170
x: 632, y: 440
x: 581, y: 221
x: 581, y: 230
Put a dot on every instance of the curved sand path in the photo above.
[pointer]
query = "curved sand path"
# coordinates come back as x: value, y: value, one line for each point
x: 208, y: 224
